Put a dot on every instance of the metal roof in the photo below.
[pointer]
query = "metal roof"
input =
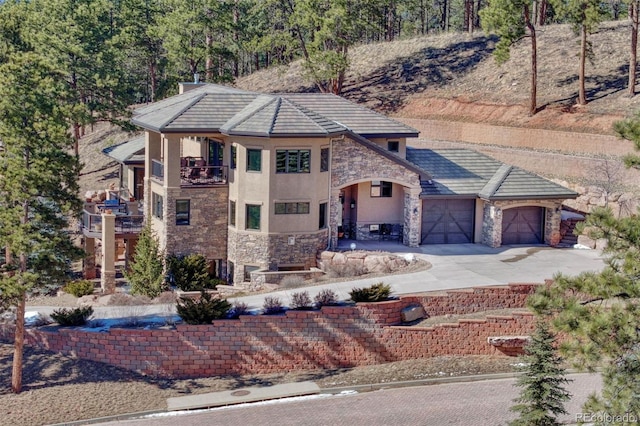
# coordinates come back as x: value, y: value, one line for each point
x: 220, y: 109
x: 464, y: 173
x: 131, y: 151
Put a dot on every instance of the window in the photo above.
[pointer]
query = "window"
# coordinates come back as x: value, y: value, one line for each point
x: 292, y: 208
x: 322, y: 223
x: 232, y: 213
x: 293, y: 161
x: 253, y: 217
x: 234, y: 156
x: 324, y: 159
x: 248, y: 269
x: 183, y: 212
x: 156, y: 205
x: 393, y: 146
x: 380, y: 188
x: 254, y: 160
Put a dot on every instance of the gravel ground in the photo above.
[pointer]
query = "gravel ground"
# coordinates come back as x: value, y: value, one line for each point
x: 58, y: 388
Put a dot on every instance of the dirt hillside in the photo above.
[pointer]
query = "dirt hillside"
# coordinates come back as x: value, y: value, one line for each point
x: 455, y: 77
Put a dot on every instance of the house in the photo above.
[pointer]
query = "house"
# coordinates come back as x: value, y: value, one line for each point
x: 262, y: 182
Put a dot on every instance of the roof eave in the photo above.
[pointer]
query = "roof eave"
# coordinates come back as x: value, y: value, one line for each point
x: 533, y: 197
x: 389, y: 135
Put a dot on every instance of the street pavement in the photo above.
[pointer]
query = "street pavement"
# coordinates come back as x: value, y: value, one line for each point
x: 481, y: 403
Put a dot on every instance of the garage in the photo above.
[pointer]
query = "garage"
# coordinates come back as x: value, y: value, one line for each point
x: 448, y: 221
x: 522, y: 225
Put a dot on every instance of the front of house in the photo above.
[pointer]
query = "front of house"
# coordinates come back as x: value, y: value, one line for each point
x: 261, y: 182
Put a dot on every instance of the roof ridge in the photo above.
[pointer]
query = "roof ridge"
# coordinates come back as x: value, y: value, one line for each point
x: 195, y: 100
x: 314, y: 115
x: 249, y: 111
x: 496, y: 180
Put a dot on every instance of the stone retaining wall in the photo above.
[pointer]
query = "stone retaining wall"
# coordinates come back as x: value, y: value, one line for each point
x: 333, y: 337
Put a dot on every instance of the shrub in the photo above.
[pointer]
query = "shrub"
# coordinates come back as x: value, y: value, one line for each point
x: 203, y: 310
x: 301, y: 301
x: 239, y: 308
x: 72, y: 317
x: 326, y: 297
x: 79, y: 288
x: 191, y: 272
x: 344, y: 270
x: 292, y: 281
x: 375, y: 293
x: 272, y: 305
x: 146, y: 270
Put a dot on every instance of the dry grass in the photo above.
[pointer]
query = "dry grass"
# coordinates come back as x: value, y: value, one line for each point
x: 60, y: 389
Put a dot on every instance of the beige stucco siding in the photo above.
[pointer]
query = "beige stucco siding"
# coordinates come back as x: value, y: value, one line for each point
x: 384, y: 144
x: 379, y: 209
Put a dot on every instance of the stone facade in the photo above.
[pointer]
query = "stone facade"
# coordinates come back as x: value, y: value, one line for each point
x: 206, y: 233
x: 492, y: 220
x: 269, y: 251
x: 371, y: 166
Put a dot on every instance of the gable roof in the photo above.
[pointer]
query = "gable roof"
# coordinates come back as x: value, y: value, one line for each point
x: 131, y: 151
x: 220, y: 109
x: 468, y: 173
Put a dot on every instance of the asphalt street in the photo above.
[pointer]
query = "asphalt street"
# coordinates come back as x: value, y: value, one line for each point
x: 482, y: 403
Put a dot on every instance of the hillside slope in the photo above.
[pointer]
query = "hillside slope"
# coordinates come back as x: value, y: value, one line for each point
x: 454, y: 76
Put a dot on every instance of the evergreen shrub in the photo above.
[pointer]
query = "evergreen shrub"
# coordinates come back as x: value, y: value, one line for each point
x: 202, y: 310
x: 73, y: 316
x: 375, y: 293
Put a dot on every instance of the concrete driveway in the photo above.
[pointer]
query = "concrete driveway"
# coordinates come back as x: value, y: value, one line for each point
x: 453, y: 266
x: 462, y: 266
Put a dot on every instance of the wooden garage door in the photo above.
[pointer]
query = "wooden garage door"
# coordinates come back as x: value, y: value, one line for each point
x: 447, y: 221
x: 522, y: 225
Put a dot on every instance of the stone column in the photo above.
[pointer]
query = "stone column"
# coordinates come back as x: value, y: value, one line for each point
x: 412, y: 217
x: 89, y: 268
x: 108, y: 273
x: 334, y: 214
x: 492, y: 225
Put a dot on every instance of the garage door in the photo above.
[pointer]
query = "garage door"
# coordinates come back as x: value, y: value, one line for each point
x: 522, y: 225
x: 447, y: 221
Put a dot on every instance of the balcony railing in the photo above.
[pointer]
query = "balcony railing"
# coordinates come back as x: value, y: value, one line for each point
x: 124, y: 224
x: 203, y: 175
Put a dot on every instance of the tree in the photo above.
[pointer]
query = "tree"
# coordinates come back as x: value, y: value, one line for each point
x: 512, y: 20
x: 599, y: 314
x: 629, y: 129
x: 584, y: 16
x: 542, y: 396
x: 634, y: 11
x: 146, y: 272
x: 38, y: 186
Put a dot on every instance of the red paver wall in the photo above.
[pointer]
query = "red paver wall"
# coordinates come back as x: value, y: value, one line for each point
x: 342, y: 336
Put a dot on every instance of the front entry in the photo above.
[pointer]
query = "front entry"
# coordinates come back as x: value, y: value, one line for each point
x: 522, y: 225
x: 448, y: 221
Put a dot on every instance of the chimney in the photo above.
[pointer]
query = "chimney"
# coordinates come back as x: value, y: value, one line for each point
x: 185, y: 87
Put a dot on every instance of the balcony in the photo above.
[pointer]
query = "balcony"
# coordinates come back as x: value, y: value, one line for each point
x: 126, y: 223
x: 194, y: 171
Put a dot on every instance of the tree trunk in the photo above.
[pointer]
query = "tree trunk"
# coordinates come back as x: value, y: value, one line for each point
x: 153, y: 76
x: 533, y: 105
x: 542, y: 12
x: 634, y: 7
x: 582, y: 96
x: 209, y: 61
x: 18, y: 347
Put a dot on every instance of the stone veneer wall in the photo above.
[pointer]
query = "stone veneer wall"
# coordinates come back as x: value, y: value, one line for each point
x: 334, y: 337
x: 206, y: 233
x: 268, y: 251
x: 492, y: 220
x: 370, y: 165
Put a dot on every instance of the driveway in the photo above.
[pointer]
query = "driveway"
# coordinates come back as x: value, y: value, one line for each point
x: 454, y: 266
x: 462, y: 266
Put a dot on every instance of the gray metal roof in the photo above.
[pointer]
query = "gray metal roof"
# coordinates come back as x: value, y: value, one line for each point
x: 464, y: 173
x: 130, y: 151
x: 214, y: 108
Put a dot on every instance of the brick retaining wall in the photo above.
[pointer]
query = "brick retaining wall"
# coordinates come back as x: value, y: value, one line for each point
x: 333, y: 337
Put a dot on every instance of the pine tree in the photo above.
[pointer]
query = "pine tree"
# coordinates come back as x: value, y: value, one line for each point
x: 38, y: 186
x: 542, y: 397
x: 598, y: 313
x: 146, y: 271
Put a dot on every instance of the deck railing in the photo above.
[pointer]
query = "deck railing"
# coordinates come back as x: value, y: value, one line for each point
x: 203, y: 175
x: 124, y: 224
x: 157, y: 169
